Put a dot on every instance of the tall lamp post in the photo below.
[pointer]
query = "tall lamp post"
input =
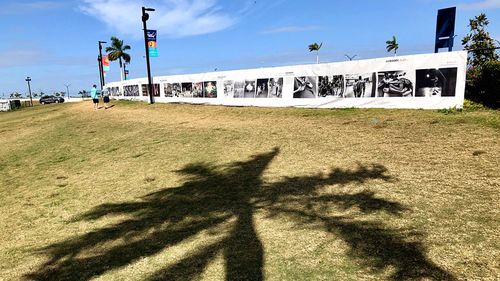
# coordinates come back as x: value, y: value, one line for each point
x: 125, y: 71
x: 28, y: 79
x: 99, y: 59
x: 145, y: 17
x: 67, y: 89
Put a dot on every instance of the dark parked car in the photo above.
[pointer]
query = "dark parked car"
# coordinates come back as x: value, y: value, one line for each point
x: 51, y: 99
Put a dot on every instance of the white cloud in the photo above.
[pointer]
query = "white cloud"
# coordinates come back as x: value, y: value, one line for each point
x: 481, y: 5
x: 173, y: 18
x: 291, y: 29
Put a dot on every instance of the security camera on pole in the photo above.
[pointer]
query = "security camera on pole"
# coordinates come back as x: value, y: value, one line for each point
x: 145, y: 17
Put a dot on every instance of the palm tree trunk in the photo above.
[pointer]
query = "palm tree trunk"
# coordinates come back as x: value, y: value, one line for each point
x: 121, y: 69
x: 317, y: 57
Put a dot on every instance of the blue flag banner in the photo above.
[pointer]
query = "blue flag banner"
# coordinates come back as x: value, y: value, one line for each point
x: 151, y: 39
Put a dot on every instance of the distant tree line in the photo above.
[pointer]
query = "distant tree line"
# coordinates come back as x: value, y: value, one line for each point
x: 17, y: 95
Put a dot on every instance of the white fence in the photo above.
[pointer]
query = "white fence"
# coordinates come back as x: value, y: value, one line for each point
x: 429, y: 81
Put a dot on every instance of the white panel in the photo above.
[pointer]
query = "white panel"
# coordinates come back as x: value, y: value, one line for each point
x: 428, y: 81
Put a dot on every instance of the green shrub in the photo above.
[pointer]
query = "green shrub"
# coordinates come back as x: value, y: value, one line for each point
x: 470, y: 105
x: 483, y: 84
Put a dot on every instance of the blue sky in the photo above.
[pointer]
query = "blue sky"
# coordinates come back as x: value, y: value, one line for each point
x: 55, y: 42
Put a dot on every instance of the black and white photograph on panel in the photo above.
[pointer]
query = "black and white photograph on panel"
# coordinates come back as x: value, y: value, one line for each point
x: 441, y: 82
x: 229, y: 88
x: 239, y: 89
x: 176, y: 89
x: 131, y: 91
x: 156, y: 90
x: 331, y: 86
x: 275, y: 87
x: 198, y: 90
x: 145, y: 90
x: 304, y: 87
x: 250, y: 89
x: 394, y: 84
x: 187, y: 90
x: 360, y: 85
x: 167, y: 90
x: 210, y: 89
x: 262, y: 88
x: 114, y: 91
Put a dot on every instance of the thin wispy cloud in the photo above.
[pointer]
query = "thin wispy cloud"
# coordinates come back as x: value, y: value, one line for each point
x: 15, y: 8
x: 40, y: 5
x: 28, y: 54
x: 20, y: 57
x: 173, y: 18
x: 481, y: 5
x: 291, y: 29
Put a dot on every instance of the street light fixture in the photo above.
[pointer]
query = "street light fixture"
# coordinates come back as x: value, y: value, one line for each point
x: 28, y: 79
x: 99, y: 60
x: 145, y: 17
x: 350, y: 57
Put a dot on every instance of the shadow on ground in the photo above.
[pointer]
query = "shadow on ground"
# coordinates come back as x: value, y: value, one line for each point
x: 224, y: 200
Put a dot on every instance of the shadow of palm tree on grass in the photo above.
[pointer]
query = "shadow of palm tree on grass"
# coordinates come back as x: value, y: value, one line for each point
x: 224, y: 201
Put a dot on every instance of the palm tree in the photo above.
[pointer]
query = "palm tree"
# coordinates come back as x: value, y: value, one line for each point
x: 117, y: 52
x: 392, y: 45
x: 83, y: 93
x: 315, y: 47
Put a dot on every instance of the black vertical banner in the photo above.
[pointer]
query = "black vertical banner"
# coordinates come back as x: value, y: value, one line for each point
x: 445, y: 29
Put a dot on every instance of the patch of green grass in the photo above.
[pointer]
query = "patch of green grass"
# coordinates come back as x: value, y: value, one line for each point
x: 180, y: 192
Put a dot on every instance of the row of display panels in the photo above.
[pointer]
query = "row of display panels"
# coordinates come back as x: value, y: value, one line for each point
x: 440, y: 82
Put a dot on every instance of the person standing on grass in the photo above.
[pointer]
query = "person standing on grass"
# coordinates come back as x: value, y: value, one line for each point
x: 95, y: 97
x: 105, y: 99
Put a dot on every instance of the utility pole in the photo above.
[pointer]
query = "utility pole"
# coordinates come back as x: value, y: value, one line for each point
x: 101, y: 72
x: 28, y: 79
x: 145, y: 17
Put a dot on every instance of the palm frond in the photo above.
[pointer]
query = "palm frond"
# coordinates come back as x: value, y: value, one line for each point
x: 110, y: 49
x: 315, y: 47
x: 126, y: 57
x: 116, y: 42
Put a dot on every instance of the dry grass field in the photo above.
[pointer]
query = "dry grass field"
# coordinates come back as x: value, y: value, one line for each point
x: 183, y: 192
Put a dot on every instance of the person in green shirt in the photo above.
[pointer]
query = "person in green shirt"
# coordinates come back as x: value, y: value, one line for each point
x: 95, y: 97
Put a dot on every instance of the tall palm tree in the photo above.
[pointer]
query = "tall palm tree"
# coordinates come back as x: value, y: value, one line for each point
x: 392, y: 45
x: 117, y: 52
x: 315, y: 47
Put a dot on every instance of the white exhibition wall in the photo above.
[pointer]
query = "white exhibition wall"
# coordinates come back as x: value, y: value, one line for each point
x: 428, y: 81
x: 4, y: 105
